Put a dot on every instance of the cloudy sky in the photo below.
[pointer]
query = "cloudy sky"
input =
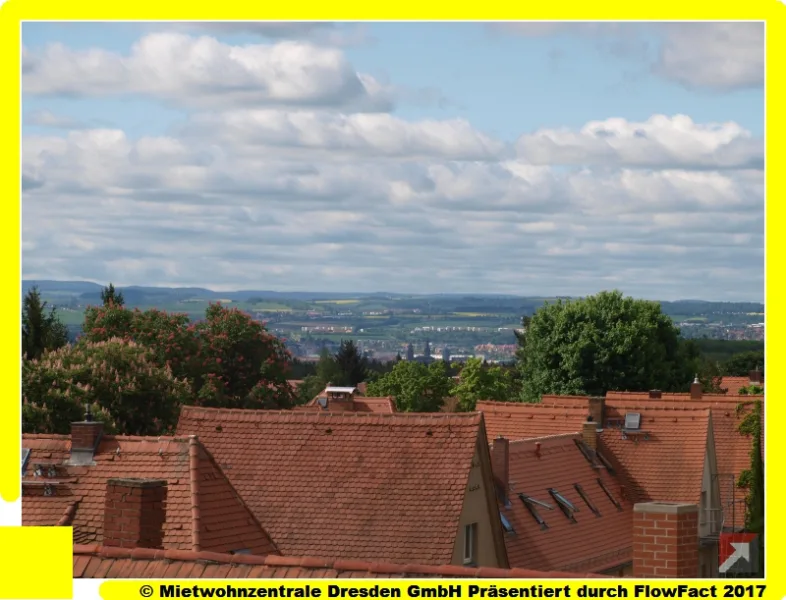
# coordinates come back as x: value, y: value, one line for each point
x: 517, y: 158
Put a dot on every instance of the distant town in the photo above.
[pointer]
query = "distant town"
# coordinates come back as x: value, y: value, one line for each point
x: 385, y: 325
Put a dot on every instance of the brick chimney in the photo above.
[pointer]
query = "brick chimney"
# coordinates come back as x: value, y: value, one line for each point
x: 500, y: 462
x: 665, y: 540
x: 85, y: 436
x: 597, y: 408
x: 695, y: 389
x: 756, y: 377
x: 655, y: 394
x: 589, y: 432
x: 340, y: 401
x: 135, y: 513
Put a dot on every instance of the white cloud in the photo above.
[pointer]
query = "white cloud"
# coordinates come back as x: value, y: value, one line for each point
x: 377, y: 134
x: 203, y: 71
x: 659, y: 142
x: 186, y: 211
x: 714, y: 55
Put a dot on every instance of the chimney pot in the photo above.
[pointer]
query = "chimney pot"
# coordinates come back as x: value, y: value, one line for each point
x: 756, y: 377
x: 655, y: 394
x: 537, y: 449
x: 695, y: 389
x: 135, y: 513
x: 85, y: 436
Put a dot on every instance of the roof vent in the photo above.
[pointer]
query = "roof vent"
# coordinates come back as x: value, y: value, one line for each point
x: 632, y: 421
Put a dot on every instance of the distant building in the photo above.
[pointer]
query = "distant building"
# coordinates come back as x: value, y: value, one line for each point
x: 427, y: 351
x: 410, y: 352
x: 446, y: 354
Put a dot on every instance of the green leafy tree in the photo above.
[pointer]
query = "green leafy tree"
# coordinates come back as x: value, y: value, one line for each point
x: 753, y: 479
x: 118, y: 379
x: 479, y: 382
x: 111, y: 297
x: 601, y: 343
x: 752, y: 390
x: 351, y: 363
x: 415, y: 386
x: 328, y: 372
x: 743, y: 363
x: 41, y: 329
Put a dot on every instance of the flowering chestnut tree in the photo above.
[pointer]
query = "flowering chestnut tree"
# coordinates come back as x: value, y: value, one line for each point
x: 118, y: 379
x: 228, y: 359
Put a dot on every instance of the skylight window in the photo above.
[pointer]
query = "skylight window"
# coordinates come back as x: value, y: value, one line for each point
x: 565, y: 505
x: 532, y: 506
x: 632, y: 420
x: 25, y: 457
x: 587, y: 501
x: 609, y: 494
x: 506, y: 524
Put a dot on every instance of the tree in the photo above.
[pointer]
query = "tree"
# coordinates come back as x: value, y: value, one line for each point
x: 351, y: 363
x: 753, y: 479
x: 118, y: 379
x: 478, y: 382
x: 327, y: 372
x: 415, y: 386
x: 110, y: 297
x: 41, y: 331
x: 234, y: 358
x: 601, y: 343
x: 745, y: 362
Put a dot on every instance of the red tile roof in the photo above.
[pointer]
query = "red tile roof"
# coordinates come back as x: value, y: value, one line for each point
x: 521, y: 420
x: 110, y: 563
x: 348, y: 485
x: 591, y: 543
x: 733, y: 385
x: 361, y: 404
x: 732, y: 449
x: 225, y: 522
x: 667, y: 465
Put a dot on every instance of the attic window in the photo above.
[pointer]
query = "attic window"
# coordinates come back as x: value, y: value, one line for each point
x: 243, y: 551
x: 532, y: 506
x: 587, y: 501
x: 632, y: 421
x: 506, y: 524
x: 609, y: 494
x: 25, y: 457
x: 565, y: 505
x: 322, y: 401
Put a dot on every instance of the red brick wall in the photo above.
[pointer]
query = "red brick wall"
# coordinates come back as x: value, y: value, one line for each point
x: 135, y: 513
x: 85, y: 435
x: 589, y: 433
x: 666, y: 544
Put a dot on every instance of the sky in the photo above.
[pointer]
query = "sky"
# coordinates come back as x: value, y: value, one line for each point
x: 479, y: 158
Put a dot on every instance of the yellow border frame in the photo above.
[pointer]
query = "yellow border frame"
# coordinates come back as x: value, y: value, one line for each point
x: 37, y: 562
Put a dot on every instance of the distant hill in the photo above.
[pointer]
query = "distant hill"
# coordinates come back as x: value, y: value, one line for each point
x: 87, y: 292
